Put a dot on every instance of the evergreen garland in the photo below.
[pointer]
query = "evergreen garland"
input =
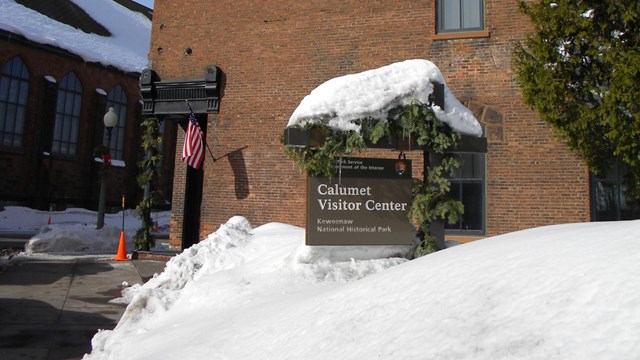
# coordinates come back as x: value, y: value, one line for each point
x: 143, y: 239
x: 430, y: 200
x: 319, y: 161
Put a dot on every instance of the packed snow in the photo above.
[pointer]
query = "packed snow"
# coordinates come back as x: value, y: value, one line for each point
x: 557, y: 292
x: 126, y: 49
x: 373, y: 93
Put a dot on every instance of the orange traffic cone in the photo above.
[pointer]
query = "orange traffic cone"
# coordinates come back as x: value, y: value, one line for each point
x: 49, y: 222
x: 122, y: 249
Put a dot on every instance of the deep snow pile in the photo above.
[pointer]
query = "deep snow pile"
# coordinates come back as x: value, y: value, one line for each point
x: 274, y: 248
x: 373, y: 93
x: 557, y: 292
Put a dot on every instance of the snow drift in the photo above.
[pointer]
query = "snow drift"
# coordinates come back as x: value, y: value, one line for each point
x: 557, y: 292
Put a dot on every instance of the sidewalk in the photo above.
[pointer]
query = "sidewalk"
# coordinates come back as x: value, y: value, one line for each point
x: 50, y: 309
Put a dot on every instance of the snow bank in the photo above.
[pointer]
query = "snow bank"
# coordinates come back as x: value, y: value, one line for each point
x: 226, y: 248
x: 76, y: 239
x: 557, y: 292
x: 272, y: 250
x: 22, y: 219
x: 72, y: 231
x: 373, y: 93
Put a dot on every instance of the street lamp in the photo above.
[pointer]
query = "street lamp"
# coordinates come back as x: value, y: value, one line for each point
x: 110, y: 121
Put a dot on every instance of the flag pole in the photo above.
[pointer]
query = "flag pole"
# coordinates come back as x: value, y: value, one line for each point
x: 205, y: 141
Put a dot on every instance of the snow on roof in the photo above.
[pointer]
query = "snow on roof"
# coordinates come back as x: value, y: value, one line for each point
x: 126, y: 49
x: 373, y: 93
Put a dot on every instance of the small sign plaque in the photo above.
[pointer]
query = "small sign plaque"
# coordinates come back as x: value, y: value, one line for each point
x: 366, y: 202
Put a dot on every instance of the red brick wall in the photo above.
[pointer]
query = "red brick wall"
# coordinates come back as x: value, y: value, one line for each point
x: 71, y: 181
x: 275, y: 53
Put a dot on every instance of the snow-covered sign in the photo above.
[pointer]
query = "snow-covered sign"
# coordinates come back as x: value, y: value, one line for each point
x: 125, y: 49
x: 373, y: 93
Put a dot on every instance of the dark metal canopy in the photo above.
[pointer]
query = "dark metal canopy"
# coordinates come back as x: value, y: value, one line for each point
x: 167, y: 97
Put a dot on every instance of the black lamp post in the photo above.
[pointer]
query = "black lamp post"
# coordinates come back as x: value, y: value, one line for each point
x: 110, y: 120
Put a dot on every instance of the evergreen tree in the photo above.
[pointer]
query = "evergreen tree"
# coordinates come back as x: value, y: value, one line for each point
x: 580, y: 70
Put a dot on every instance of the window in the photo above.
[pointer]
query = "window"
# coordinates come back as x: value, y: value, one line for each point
x: 608, y: 200
x: 118, y: 100
x: 467, y: 185
x: 65, y: 131
x: 460, y: 15
x: 14, y: 90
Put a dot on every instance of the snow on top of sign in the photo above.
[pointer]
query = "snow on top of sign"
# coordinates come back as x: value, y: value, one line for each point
x: 373, y: 93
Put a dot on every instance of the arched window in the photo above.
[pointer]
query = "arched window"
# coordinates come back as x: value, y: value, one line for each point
x: 118, y: 100
x: 67, y: 125
x: 14, y: 90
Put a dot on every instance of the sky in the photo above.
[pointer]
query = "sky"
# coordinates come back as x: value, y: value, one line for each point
x: 147, y: 3
x: 567, y: 291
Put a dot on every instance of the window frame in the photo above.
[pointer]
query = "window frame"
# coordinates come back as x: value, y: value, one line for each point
x: 117, y: 98
x: 460, y: 32
x: 482, y: 180
x: 16, y: 76
x: 66, y: 127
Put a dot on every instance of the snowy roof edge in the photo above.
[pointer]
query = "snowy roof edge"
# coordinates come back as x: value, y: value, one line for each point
x: 126, y: 49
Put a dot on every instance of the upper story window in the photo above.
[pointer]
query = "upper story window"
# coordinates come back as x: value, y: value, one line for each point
x: 67, y: 125
x: 460, y: 15
x: 14, y: 90
x: 118, y: 100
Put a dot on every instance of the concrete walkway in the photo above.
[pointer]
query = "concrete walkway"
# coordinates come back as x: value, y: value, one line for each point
x: 50, y: 309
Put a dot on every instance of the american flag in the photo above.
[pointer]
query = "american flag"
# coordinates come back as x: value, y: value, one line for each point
x: 193, y: 148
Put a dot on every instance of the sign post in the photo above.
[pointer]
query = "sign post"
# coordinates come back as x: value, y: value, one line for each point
x: 366, y: 202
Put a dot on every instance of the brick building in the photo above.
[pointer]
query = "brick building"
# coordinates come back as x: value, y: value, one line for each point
x: 271, y: 54
x: 63, y: 65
